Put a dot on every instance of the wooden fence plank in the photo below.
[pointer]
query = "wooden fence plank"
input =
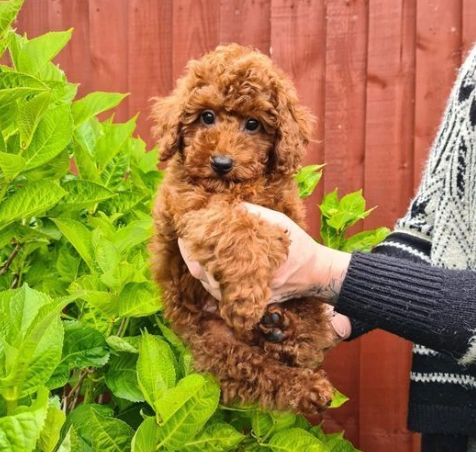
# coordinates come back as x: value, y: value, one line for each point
x: 439, y: 28
x: 344, y: 145
x: 388, y: 155
x: 468, y: 12
x: 76, y: 57
x: 195, y: 31
x: 150, y: 58
x: 109, y: 52
x: 298, y: 47
x: 246, y: 22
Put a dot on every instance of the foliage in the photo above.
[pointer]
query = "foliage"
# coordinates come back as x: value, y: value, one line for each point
x: 337, y: 216
x: 87, y: 362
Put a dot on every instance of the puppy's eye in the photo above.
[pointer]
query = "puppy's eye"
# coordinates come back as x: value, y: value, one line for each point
x: 207, y: 118
x: 252, y: 125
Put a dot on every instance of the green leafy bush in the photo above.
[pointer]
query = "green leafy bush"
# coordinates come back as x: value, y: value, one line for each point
x: 87, y: 362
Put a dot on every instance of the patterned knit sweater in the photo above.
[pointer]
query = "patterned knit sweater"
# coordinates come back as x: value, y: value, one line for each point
x: 433, y: 307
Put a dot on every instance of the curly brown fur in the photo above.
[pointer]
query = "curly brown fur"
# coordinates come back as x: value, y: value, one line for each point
x: 203, y: 206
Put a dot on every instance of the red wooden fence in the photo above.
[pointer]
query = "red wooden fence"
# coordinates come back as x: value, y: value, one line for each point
x: 375, y: 72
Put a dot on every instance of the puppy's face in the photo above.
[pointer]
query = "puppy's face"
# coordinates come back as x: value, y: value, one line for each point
x: 227, y: 137
x: 232, y: 118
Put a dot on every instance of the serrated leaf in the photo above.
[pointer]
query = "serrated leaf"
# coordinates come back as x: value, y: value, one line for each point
x: 307, y: 178
x: 79, y: 422
x: 11, y: 165
x: 52, y: 135
x: 155, y: 368
x: 109, y: 144
x: 31, y: 334
x: 366, y: 240
x: 78, y: 235
x: 93, y: 104
x: 146, y: 437
x: 262, y: 423
x: 83, y: 194
x: 338, y: 400
x: 29, y: 114
x: 15, y: 86
x: 170, y: 336
x: 109, y: 434
x: 134, y: 234
x: 139, y: 300
x: 185, y: 409
x: 83, y: 347
x: 296, y: 440
x: 8, y: 12
x: 36, y: 53
x: 217, y: 437
x: 121, y: 377
x: 124, y: 344
x: 50, y: 434
x: 20, y: 432
x: 30, y: 200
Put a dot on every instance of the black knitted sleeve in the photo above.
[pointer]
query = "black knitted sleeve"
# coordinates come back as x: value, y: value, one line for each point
x: 401, y: 244
x: 431, y: 306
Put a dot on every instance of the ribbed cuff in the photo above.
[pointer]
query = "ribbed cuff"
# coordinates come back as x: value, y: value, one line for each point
x: 411, y: 300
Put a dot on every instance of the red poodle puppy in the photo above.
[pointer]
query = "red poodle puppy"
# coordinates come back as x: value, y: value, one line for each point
x: 233, y: 131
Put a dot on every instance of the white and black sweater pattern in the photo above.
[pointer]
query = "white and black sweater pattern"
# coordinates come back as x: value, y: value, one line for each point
x: 440, y: 229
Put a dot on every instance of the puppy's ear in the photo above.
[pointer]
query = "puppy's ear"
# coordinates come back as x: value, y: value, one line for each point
x: 167, y: 112
x: 295, y: 124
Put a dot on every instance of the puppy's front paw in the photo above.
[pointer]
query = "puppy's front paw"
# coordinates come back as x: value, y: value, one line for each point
x: 243, y: 307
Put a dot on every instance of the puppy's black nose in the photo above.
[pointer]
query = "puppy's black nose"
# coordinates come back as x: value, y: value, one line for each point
x: 222, y: 164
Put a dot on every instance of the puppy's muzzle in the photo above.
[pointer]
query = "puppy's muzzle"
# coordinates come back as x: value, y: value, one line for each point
x: 221, y: 164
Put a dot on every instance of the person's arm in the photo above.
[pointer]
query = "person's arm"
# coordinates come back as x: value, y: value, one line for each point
x: 403, y: 243
x: 428, y: 305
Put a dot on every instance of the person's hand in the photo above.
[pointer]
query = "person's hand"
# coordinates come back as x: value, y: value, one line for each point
x: 310, y: 269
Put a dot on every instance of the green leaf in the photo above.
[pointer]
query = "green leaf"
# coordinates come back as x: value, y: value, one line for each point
x: 121, y: 377
x: 78, y: 235
x: 155, y: 368
x: 31, y: 333
x: 307, y: 178
x: 50, y: 434
x: 109, y: 144
x: 38, y: 52
x: 85, y: 162
x: 83, y: 347
x: 296, y: 440
x: 146, y: 437
x: 8, y: 12
x: 52, y: 135
x: 32, y: 199
x: 15, y: 86
x: 93, y: 104
x: 84, y: 194
x: 132, y: 235
x: 109, y: 434
x: 20, y: 431
x: 29, y: 114
x: 79, y: 423
x: 139, y: 300
x: 217, y: 437
x: 11, y: 165
x: 338, y: 400
x: 366, y: 240
x: 124, y: 344
x: 185, y: 409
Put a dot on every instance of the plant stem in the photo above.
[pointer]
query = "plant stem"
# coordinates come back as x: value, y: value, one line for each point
x: 123, y: 326
x: 12, y: 256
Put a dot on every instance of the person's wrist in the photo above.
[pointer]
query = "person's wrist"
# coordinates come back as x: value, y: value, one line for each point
x: 328, y: 274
